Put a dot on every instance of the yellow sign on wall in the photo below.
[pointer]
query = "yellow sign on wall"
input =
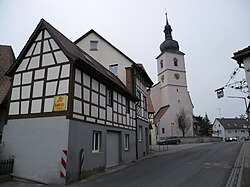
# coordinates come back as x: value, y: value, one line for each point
x: 60, y: 103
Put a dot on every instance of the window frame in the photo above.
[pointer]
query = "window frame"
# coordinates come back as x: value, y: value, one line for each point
x: 163, y: 130
x: 96, y: 141
x: 175, y: 62
x: 161, y: 64
x: 127, y: 106
x: 126, y: 142
x: 93, y: 45
x: 140, y: 137
x: 109, y: 97
x: 145, y: 103
x: 139, y: 97
x: 114, y: 67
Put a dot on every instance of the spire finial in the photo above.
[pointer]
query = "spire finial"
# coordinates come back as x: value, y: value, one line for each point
x: 169, y: 43
x: 167, y: 29
x: 166, y: 18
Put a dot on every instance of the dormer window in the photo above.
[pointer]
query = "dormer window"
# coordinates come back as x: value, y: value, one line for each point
x: 175, y: 62
x: 93, y: 45
x: 161, y: 64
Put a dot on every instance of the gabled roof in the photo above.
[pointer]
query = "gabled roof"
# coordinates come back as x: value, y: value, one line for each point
x: 78, y: 57
x: 160, y: 113
x: 139, y: 66
x: 7, y: 58
x: 143, y: 72
x: 233, y: 123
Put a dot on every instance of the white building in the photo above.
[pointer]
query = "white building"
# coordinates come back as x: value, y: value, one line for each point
x: 170, y: 95
x: 230, y: 128
x: 131, y: 74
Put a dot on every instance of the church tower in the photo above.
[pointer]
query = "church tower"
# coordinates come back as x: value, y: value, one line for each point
x: 171, y: 90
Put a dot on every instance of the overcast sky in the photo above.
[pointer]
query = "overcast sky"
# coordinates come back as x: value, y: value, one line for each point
x: 208, y: 32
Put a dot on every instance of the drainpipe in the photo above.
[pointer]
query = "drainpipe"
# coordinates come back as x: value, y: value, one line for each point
x: 136, y: 133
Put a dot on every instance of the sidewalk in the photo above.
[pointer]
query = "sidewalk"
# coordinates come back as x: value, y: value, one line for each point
x: 245, y: 180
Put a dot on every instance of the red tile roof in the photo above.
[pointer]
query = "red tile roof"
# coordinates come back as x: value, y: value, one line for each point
x: 7, y: 58
x: 160, y: 113
x: 150, y: 103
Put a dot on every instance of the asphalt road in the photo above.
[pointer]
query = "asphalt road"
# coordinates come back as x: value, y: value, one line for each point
x: 203, y: 166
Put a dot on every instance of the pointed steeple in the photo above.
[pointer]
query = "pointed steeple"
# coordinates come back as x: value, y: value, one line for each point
x: 169, y: 44
x: 168, y: 29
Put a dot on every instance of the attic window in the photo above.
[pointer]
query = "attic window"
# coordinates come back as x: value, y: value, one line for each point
x: 93, y: 45
x: 114, y: 68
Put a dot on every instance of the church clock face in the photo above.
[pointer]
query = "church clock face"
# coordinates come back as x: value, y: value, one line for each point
x: 176, y: 76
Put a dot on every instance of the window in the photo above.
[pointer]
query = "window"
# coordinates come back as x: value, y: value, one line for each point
x: 161, y: 63
x: 114, y: 69
x: 93, y: 45
x: 140, y: 133
x: 127, y: 106
x: 96, y: 141
x: 175, y: 62
x: 126, y: 142
x: 139, y: 97
x: 163, y: 130
x: 144, y: 103
x: 109, y: 97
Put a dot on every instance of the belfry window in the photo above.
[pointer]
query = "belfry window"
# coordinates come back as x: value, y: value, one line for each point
x: 161, y: 63
x: 175, y: 62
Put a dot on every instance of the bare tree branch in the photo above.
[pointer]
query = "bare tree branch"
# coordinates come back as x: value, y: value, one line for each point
x: 182, y: 121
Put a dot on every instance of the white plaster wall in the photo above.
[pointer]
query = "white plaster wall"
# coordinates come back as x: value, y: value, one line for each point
x: 172, y: 92
x: 247, y: 70
x: 156, y: 97
x: 220, y: 128
x: 236, y: 133
x: 37, y: 145
x: 168, y: 62
x: 106, y: 55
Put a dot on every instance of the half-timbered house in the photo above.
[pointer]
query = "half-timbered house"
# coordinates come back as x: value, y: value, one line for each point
x: 132, y: 74
x: 68, y: 116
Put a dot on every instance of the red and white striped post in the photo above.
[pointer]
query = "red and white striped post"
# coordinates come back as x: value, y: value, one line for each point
x: 63, y: 163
